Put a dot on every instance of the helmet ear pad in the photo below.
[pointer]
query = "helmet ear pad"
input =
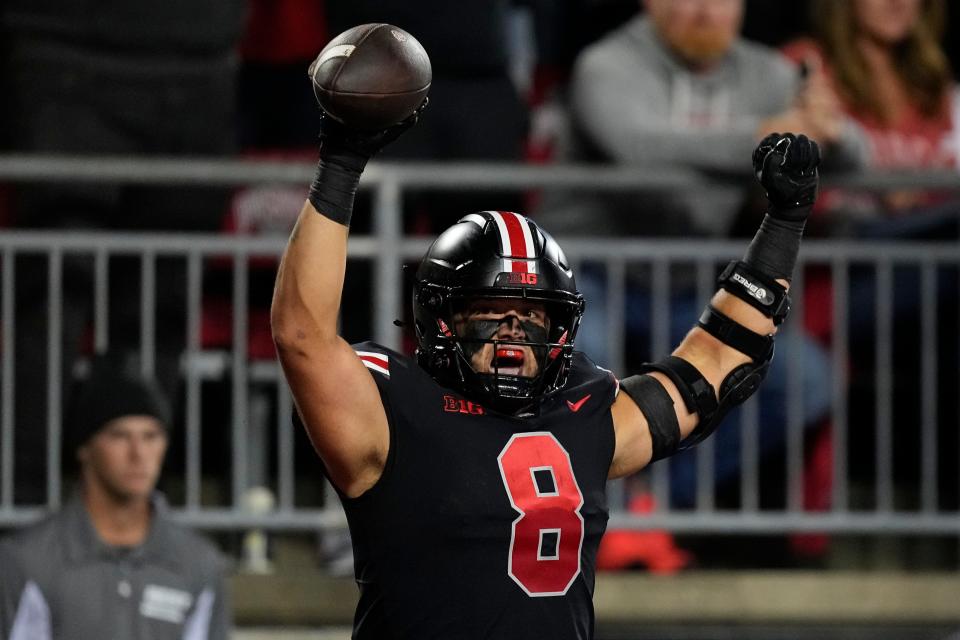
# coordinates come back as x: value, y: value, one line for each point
x: 469, y: 261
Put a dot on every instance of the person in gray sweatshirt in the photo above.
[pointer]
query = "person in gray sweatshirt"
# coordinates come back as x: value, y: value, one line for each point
x: 677, y: 88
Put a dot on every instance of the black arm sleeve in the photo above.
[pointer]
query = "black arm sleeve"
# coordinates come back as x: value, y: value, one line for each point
x: 657, y: 407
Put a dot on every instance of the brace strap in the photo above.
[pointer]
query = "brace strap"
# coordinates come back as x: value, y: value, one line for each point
x: 698, y: 394
x: 656, y: 405
x: 756, y: 289
x: 735, y: 335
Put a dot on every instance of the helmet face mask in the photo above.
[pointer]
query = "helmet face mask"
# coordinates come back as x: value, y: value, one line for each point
x: 516, y: 346
x: 468, y: 301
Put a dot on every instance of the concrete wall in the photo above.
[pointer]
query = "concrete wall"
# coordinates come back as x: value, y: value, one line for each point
x: 787, y: 597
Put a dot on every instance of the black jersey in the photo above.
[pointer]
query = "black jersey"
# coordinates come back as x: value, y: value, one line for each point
x: 482, y: 525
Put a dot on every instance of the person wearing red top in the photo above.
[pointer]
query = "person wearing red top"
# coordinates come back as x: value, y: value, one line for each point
x: 883, y: 60
x: 884, y: 63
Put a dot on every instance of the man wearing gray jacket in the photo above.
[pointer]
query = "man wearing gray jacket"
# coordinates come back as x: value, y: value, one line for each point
x: 677, y: 88
x: 111, y: 564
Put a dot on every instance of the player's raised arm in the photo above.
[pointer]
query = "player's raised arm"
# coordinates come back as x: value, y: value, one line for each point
x: 335, y: 396
x: 678, y: 401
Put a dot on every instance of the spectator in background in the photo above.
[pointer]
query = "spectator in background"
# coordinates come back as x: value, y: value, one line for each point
x: 110, y: 78
x: 679, y: 89
x: 111, y: 564
x: 883, y: 62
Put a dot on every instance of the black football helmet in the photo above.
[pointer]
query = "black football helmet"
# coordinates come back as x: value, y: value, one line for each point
x: 495, y: 255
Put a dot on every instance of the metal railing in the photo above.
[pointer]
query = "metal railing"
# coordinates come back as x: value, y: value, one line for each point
x: 386, y: 249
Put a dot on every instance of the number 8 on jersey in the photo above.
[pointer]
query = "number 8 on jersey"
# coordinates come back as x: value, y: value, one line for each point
x: 547, y: 536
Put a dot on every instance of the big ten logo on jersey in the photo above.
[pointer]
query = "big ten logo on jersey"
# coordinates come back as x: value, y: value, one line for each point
x: 452, y: 404
x: 515, y: 278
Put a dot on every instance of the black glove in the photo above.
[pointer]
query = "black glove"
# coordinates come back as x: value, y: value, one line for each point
x: 786, y: 166
x: 352, y: 148
x: 344, y: 153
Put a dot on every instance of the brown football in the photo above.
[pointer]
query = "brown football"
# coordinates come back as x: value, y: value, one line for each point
x: 371, y: 76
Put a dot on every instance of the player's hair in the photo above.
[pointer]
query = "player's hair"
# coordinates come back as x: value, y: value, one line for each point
x: 920, y: 61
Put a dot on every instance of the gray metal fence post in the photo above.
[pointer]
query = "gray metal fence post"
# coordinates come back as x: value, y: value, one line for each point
x: 8, y: 393
x: 54, y: 376
x: 388, y: 282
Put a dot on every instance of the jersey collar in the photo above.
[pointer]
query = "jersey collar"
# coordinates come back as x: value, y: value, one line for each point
x: 83, y: 544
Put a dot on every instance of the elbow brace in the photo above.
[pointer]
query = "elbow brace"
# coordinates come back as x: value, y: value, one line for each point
x: 698, y: 394
x: 757, y: 288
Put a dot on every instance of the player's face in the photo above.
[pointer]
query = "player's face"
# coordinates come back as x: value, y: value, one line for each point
x: 504, y: 320
x: 699, y: 31
x: 124, y: 458
x: 887, y: 21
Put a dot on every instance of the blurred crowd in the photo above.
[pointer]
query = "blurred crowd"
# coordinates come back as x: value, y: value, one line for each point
x: 683, y: 85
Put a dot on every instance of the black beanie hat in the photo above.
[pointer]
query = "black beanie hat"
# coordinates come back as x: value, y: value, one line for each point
x: 111, y: 392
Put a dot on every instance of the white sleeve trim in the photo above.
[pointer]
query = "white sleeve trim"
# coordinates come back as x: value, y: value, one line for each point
x: 379, y: 362
x: 32, y: 621
x: 197, y: 626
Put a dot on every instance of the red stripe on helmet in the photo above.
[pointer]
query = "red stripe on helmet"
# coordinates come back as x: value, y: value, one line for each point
x: 518, y: 244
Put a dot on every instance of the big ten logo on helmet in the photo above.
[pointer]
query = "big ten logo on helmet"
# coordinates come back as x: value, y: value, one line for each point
x: 452, y: 404
x: 515, y: 278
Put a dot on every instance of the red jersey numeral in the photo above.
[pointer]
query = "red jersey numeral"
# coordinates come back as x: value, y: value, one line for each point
x: 547, y: 536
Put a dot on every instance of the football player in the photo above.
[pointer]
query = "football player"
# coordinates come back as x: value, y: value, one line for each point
x: 473, y: 476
